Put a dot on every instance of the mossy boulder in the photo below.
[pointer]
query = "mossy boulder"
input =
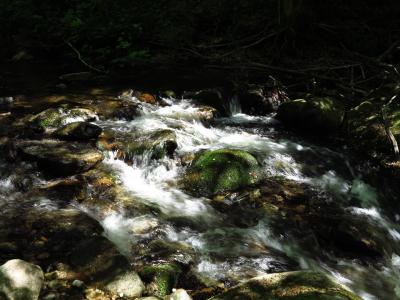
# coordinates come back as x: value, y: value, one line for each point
x: 58, y: 157
x: 366, y: 129
x: 221, y: 170
x: 78, y: 131
x: 299, y: 285
x: 161, y: 278
x: 53, y: 118
x: 316, y: 115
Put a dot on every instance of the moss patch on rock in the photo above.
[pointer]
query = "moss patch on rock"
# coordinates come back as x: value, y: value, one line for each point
x: 162, y: 278
x: 300, y: 285
x: 316, y: 115
x: 220, y: 170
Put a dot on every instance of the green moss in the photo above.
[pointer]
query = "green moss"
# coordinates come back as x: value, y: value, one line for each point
x: 222, y: 170
x: 164, y: 277
x: 301, y: 285
x: 318, y: 115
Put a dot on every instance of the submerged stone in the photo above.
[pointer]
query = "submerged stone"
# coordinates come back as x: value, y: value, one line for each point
x: 60, y: 158
x: 316, y: 115
x: 221, y: 170
x: 299, y: 285
x: 78, y: 131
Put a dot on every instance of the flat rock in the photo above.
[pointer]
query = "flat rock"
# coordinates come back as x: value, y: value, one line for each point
x: 58, y: 157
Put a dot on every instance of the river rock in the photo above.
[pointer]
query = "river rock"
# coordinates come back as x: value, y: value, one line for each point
x: 112, y: 108
x: 220, y: 170
x: 260, y: 100
x: 178, y: 294
x: 290, y: 285
x: 78, y: 131
x: 53, y: 118
x: 58, y: 157
x: 156, y: 145
x: 20, y: 280
x: 315, y: 115
x: 209, y: 97
x: 99, y: 263
x: 366, y: 130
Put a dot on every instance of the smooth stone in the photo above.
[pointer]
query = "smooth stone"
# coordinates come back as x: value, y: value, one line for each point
x: 178, y: 294
x: 59, y: 157
x: 20, y: 280
x: 127, y: 284
x: 78, y: 131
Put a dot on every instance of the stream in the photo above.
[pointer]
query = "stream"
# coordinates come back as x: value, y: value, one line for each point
x: 221, y: 249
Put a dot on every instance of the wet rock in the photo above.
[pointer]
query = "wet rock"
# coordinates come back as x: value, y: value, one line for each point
x: 178, y: 294
x: 53, y: 118
x: 145, y: 97
x: 78, y: 131
x: 161, y: 278
x: 221, y: 170
x: 156, y: 145
x: 20, y: 280
x: 69, y: 189
x: 294, y: 285
x: 159, y: 144
x: 60, y: 158
x: 161, y: 250
x: 117, y: 109
x: 209, y: 97
x: 207, y: 113
x: 57, y: 232
x: 366, y: 129
x: 98, y: 262
x: 315, y: 115
x: 127, y: 284
x: 261, y: 100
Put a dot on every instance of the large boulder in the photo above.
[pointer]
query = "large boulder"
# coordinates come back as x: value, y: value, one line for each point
x: 53, y: 118
x: 58, y: 157
x: 20, y: 280
x: 299, y: 285
x: 315, y: 115
x: 221, y: 170
x: 210, y: 97
x: 157, y: 144
x: 78, y: 131
x: 260, y: 100
x: 366, y: 128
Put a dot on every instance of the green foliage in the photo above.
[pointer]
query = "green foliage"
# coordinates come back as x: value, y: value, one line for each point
x: 132, y: 31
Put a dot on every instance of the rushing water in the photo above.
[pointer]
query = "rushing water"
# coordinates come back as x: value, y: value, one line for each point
x: 222, y: 250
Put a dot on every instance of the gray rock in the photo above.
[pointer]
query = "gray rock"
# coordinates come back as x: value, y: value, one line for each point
x: 179, y: 294
x: 78, y: 131
x: 60, y: 158
x: 20, y: 280
x: 127, y: 284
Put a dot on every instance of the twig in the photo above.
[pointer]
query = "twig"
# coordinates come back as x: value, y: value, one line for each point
x: 84, y: 62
